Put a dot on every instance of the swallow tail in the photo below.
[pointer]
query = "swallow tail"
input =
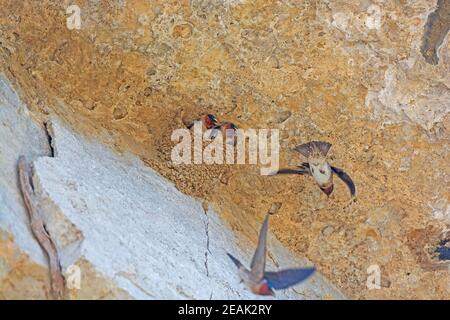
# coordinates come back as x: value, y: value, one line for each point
x: 287, y: 278
x: 313, y: 147
x: 322, y: 147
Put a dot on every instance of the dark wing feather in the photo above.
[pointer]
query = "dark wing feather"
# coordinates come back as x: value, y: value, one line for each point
x: 287, y: 278
x: 346, y: 178
x: 214, y: 132
x: 303, y: 169
x: 292, y: 171
x: 235, y: 261
x: 212, y: 118
x: 258, y: 264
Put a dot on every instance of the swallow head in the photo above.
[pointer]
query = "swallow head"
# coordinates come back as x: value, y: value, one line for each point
x: 228, y: 126
x: 229, y: 131
x: 263, y: 289
x: 209, y: 121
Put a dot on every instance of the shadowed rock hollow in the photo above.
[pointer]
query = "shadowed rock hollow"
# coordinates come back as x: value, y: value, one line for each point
x: 370, y: 77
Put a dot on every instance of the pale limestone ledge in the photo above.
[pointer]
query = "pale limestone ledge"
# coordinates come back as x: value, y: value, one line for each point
x: 18, y: 136
x: 133, y: 234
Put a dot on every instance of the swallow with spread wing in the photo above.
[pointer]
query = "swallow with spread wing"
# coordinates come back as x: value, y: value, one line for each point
x: 261, y: 282
x: 318, y: 167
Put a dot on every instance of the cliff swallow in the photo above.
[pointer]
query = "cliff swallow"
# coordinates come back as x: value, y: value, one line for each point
x: 228, y: 131
x: 208, y: 121
x: 261, y: 282
x: 318, y: 167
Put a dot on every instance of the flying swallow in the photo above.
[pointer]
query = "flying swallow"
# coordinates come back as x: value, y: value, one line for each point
x: 261, y: 282
x: 318, y: 167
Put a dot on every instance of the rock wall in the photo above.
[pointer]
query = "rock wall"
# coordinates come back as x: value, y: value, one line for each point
x: 122, y: 230
x: 369, y: 76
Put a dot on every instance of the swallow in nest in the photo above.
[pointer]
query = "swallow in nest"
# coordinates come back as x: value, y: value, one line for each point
x: 208, y: 121
x: 228, y: 130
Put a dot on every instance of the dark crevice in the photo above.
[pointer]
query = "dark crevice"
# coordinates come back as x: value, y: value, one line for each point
x: 435, y: 31
x: 49, y: 138
x: 207, y: 251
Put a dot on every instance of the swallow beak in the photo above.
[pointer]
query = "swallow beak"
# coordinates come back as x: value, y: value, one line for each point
x: 328, y: 190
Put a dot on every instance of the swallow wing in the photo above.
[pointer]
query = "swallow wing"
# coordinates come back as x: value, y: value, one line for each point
x: 212, y: 118
x: 258, y: 264
x: 287, y: 278
x: 305, y: 165
x: 237, y: 263
x: 303, y: 169
x: 242, y: 271
x: 346, y: 178
x: 214, y: 132
x: 292, y: 171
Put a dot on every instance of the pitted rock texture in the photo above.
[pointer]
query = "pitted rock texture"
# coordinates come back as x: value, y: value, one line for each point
x: 122, y: 231
x: 348, y: 72
x: 436, y: 30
